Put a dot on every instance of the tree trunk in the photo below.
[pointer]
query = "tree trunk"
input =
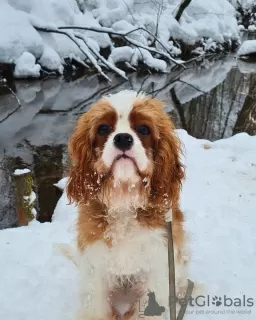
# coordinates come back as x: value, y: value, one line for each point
x: 23, y: 191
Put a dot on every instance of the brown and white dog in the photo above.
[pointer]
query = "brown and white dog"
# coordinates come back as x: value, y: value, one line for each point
x: 126, y: 178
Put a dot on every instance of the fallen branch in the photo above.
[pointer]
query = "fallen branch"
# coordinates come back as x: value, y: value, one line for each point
x: 131, y: 41
x: 102, y: 59
x: 92, y: 55
x: 73, y: 38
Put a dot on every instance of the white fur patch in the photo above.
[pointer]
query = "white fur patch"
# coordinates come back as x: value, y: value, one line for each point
x: 123, y: 101
x: 138, y: 254
x: 125, y: 170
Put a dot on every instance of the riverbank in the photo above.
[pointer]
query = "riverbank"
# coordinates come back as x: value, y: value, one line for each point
x: 111, y: 35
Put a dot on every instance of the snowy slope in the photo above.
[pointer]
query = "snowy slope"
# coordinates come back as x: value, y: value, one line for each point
x: 213, y: 20
x: 219, y: 200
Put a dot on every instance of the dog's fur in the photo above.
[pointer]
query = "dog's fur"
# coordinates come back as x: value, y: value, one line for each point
x: 123, y: 204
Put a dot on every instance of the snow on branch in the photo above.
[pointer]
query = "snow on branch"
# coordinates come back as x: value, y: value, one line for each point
x: 124, y: 35
x: 73, y: 37
x: 102, y: 59
x: 96, y: 59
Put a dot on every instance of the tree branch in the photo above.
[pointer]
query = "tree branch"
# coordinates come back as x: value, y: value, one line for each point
x: 182, y: 7
x: 102, y: 59
x: 131, y: 41
x: 86, y: 53
x: 91, y: 54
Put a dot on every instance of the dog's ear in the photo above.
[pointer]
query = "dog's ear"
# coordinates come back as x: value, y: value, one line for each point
x: 82, y: 184
x: 168, y: 169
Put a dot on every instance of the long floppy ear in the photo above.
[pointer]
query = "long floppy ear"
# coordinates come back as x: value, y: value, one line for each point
x: 168, y: 170
x: 82, y: 185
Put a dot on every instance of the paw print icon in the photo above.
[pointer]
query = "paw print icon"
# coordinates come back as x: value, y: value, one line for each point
x: 216, y: 301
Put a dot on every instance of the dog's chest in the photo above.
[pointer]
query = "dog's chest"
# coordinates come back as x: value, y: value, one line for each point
x: 133, y: 247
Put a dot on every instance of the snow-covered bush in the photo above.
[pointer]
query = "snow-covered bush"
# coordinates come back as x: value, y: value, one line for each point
x: 27, y: 27
x: 246, y: 14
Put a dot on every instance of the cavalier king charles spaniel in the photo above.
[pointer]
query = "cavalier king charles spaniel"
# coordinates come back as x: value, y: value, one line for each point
x: 126, y: 177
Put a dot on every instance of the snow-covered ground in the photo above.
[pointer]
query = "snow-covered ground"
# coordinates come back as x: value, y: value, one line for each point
x: 30, y: 50
x: 219, y: 200
x: 247, y: 48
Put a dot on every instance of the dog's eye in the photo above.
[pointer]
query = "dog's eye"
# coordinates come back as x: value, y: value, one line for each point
x: 143, y: 130
x: 104, y: 129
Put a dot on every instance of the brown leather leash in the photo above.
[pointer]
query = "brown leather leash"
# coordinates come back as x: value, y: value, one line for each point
x: 172, y: 293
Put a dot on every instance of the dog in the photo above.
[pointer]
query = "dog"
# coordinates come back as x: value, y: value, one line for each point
x: 126, y: 178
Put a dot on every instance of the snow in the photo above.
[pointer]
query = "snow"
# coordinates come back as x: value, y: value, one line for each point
x: 19, y: 20
x: 219, y: 200
x: 17, y: 35
x: 252, y: 28
x: 248, y: 47
x: 61, y: 184
x: 51, y: 60
x: 211, y: 19
x: 121, y: 54
x: 25, y: 66
x: 145, y: 56
x: 19, y: 172
x: 31, y: 198
x: 246, y: 4
x: 134, y: 56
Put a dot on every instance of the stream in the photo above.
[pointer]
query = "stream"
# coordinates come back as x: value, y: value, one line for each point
x: 212, y: 100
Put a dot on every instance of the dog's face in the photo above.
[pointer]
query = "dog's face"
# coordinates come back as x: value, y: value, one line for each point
x: 125, y: 138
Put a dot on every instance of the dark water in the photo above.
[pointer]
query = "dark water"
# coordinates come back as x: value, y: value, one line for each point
x: 213, y: 100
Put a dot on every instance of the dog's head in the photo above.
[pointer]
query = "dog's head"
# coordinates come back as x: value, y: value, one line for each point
x: 125, y: 139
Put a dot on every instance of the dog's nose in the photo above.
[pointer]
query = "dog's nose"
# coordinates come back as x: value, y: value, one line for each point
x: 123, y: 141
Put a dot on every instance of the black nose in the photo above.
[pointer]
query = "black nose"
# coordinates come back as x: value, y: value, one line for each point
x: 123, y: 141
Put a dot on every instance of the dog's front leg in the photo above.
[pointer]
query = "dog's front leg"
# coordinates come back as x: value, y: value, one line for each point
x: 94, y: 299
x: 94, y: 302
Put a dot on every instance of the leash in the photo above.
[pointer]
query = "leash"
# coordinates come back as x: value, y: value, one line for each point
x: 172, y: 292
